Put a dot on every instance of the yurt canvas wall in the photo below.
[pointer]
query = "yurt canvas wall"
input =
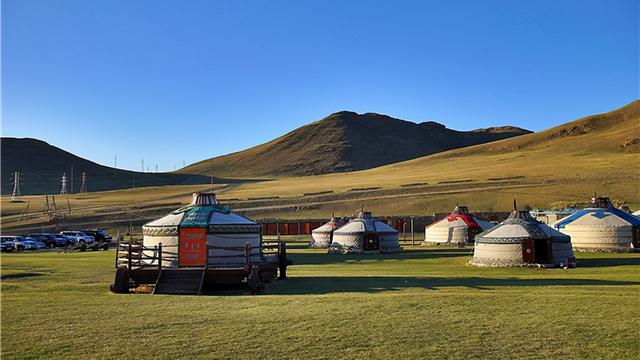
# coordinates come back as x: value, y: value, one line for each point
x: 601, y: 227
x: 321, y: 236
x: 522, y: 241
x: 364, y: 234
x: 221, y: 228
x: 459, y: 227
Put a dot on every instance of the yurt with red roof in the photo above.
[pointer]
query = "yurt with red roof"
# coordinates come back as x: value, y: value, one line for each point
x: 459, y: 227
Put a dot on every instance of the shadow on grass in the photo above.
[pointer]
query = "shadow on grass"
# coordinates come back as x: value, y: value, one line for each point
x: 20, y: 275
x: 374, y: 284
x: 607, y: 262
x: 318, y: 258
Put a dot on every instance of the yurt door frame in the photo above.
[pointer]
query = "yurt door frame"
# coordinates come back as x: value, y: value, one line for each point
x: 193, y: 247
x: 371, y: 242
x: 528, y: 251
x: 635, y: 236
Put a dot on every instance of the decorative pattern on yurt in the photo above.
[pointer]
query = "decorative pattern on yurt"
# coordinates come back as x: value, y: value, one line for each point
x: 522, y: 241
x: 220, y: 226
x: 321, y: 236
x: 365, y: 234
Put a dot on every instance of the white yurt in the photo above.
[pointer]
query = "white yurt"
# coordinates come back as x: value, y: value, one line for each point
x: 459, y: 227
x: 601, y: 227
x: 365, y: 234
x: 321, y: 236
x: 522, y: 241
x: 184, y: 232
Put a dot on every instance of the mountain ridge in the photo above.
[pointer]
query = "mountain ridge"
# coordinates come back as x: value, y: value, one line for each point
x: 346, y: 141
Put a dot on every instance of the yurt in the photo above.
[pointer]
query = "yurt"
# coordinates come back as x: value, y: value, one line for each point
x: 522, y: 241
x: 636, y: 214
x: 184, y: 232
x: 601, y: 227
x: 459, y: 227
x: 365, y: 234
x: 321, y: 236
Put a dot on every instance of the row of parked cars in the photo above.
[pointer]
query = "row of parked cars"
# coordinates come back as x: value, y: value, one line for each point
x: 35, y: 241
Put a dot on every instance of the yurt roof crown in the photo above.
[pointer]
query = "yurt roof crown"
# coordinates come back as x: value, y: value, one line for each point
x: 599, y: 203
x: 460, y: 210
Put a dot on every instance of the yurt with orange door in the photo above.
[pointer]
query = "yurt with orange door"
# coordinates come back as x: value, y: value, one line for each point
x: 459, y: 227
x: 205, y: 219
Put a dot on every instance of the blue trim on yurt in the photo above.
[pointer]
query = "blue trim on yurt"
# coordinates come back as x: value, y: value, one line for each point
x: 598, y: 213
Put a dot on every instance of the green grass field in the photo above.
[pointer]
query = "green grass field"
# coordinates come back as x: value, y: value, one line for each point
x: 425, y: 302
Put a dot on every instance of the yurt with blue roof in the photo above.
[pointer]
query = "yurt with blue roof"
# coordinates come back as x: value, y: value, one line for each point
x: 601, y: 227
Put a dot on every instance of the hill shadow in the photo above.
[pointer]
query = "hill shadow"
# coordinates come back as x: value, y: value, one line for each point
x: 21, y: 275
x: 375, y: 284
x: 319, y: 258
x: 608, y: 262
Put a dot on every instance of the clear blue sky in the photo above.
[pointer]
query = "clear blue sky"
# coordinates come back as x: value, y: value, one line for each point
x: 169, y: 81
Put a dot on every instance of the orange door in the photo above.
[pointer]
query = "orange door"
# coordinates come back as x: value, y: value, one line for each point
x: 193, y: 247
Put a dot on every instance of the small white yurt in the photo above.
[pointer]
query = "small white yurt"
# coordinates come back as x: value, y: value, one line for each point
x: 601, y: 227
x: 185, y: 232
x: 459, y: 227
x: 522, y: 241
x: 321, y: 236
x: 365, y: 234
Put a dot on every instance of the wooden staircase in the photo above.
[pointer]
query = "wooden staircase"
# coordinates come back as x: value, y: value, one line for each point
x: 186, y: 281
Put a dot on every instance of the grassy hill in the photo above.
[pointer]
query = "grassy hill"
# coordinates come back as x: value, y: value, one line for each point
x: 346, y: 141
x: 42, y: 165
x: 597, y: 153
x: 570, y: 162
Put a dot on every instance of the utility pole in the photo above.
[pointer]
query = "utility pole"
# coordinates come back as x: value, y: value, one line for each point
x: 63, y: 181
x: 83, y: 188
x: 16, y: 186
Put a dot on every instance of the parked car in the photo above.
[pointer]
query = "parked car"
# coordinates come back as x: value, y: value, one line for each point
x: 8, y: 244
x: 39, y: 244
x: 62, y: 240
x: 99, y: 235
x: 78, y: 236
x: 48, y: 239
x: 23, y: 243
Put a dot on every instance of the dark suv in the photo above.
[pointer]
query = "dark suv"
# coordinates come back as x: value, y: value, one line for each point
x: 48, y: 239
x: 101, y: 236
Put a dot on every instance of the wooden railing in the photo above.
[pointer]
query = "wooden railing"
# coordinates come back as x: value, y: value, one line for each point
x: 135, y: 255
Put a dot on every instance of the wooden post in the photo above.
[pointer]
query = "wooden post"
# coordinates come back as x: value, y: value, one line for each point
x: 117, y: 249
x: 206, y: 260
x: 413, y: 238
x: 129, y: 257
x: 160, y: 256
x: 404, y: 230
x: 247, y: 255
